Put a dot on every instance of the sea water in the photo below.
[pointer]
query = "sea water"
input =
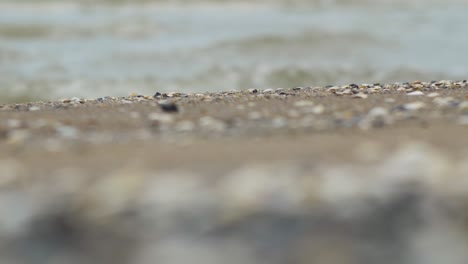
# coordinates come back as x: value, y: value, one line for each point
x: 55, y: 49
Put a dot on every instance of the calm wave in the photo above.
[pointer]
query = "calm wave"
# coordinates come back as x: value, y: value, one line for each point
x: 53, y: 49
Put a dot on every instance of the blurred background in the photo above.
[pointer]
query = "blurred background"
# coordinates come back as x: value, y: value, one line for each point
x: 55, y: 49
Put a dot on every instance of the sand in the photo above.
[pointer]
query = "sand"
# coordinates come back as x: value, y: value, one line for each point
x: 375, y: 172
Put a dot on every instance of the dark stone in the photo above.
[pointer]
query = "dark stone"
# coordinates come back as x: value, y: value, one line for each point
x: 399, y: 108
x: 157, y: 94
x: 169, y: 107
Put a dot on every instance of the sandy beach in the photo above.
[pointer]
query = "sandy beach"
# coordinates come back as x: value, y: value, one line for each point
x: 359, y: 173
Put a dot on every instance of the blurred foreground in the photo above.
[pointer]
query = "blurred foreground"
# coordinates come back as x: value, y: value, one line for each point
x: 339, y: 175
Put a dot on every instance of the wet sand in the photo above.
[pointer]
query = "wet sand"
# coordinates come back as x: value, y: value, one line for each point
x: 258, y: 176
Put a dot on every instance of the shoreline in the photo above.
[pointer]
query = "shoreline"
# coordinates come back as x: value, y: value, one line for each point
x: 231, y: 113
x: 387, y: 114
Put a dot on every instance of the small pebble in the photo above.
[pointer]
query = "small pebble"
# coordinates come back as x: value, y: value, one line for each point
x: 414, y: 106
x: 333, y: 89
x: 34, y: 108
x: 174, y: 94
x: 75, y: 100
x: 303, y: 103
x: 378, y: 111
x: 279, y: 90
x: 415, y: 93
x: 401, y: 89
x: 360, y: 96
x: 169, y: 107
x: 318, y: 109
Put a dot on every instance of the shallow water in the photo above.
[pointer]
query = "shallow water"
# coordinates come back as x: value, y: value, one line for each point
x: 50, y: 50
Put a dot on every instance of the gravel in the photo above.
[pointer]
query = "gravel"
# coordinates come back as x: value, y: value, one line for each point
x: 370, y: 173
